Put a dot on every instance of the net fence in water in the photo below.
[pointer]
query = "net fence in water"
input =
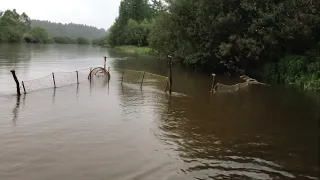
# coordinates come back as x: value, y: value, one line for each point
x: 141, y: 77
x: 57, y: 79
x: 61, y: 79
x: 230, y: 88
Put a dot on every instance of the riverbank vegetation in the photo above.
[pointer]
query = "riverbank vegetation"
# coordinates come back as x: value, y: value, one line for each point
x: 16, y: 28
x: 277, y: 41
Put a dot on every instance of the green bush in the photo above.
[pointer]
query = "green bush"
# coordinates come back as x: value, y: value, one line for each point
x: 296, y: 70
x: 82, y: 40
x: 37, y: 35
x: 63, y: 40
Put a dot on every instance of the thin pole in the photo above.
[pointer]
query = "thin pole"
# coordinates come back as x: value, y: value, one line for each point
x: 17, y: 81
x: 122, y: 76
x: 213, y: 76
x: 105, y: 63
x: 142, y: 79
x: 170, y: 74
x: 77, y: 77
x: 89, y: 77
x: 54, y: 80
x: 24, y: 89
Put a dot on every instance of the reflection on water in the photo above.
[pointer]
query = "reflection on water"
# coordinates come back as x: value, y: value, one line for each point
x: 16, y: 110
x: 113, y: 131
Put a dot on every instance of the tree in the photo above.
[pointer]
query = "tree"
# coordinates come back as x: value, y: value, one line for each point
x: 37, y: 35
x: 241, y: 35
x: 82, y: 40
x: 13, y: 26
x: 63, y: 40
x: 132, y: 27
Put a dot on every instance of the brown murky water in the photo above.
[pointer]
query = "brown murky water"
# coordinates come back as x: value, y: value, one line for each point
x: 122, y: 132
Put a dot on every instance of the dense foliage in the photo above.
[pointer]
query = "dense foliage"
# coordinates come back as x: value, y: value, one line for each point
x: 13, y: 26
x: 16, y: 28
x: 70, y: 30
x: 259, y: 38
x: 240, y: 34
x: 103, y: 41
x: 82, y: 40
x: 134, y: 23
x: 37, y: 35
x: 64, y: 40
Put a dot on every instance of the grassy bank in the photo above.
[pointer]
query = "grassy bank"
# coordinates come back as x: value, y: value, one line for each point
x: 135, y: 49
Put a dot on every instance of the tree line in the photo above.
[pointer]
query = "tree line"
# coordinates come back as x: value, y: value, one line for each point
x: 70, y: 29
x: 18, y: 28
x: 275, y: 40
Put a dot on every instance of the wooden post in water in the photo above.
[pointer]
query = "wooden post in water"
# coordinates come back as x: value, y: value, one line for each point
x: 122, y: 76
x: 142, y: 79
x: 89, y: 77
x: 24, y: 89
x: 170, y: 74
x: 17, y: 81
x: 77, y: 77
x: 105, y: 62
x: 213, y: 77
x: 54, y: 80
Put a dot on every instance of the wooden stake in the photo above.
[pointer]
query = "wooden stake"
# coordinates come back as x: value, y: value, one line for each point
x: 24, y: 89
x: 89, y: 77
x: 170, y: 74
x: 17, y: 82
x: 77, y: 77
x: 105, y: 63
x: 109, y: 74
x: 212, y: 87
x: 54, y: 80
x: 142, y: 79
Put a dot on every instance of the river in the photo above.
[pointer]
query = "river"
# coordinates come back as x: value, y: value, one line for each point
x: 80, y: 132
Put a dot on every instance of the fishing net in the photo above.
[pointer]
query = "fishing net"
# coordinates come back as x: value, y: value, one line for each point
x: 99, y: 76
x: 230, y: 88
x: 65, y: 78
x: 131, y: 76
x: 96, y: 76
x: 57, y: 79
x: 138, y: 77
x: 156, y: 80
x: 83, y: 75
x: 99, y: 73
x: 39, y: 84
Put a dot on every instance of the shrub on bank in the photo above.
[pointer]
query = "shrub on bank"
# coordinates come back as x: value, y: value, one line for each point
x: 296, y: 70
x: 82, y: 40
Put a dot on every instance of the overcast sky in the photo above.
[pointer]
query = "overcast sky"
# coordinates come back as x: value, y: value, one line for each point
x: 98, y: 13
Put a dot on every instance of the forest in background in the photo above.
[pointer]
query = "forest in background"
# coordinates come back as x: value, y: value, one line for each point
x: 19, y: 28
x: 274, y: 40
x: 70, y: 30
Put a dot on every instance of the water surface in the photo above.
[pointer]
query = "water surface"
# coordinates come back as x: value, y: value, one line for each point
x: 115, y: 131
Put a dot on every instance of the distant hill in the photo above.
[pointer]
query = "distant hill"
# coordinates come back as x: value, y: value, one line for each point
x: 70, y: 30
